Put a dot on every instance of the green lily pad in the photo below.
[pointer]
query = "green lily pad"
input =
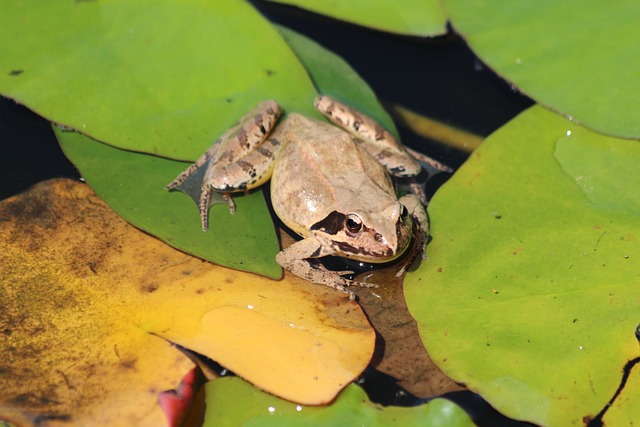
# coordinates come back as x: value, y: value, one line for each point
x: 333, y: 76
x: 233, y: 402
x: 411, y: 17
x: 164, y: 77
x: 132, y: 184
x: 576, y: 57
x: 534, y: 264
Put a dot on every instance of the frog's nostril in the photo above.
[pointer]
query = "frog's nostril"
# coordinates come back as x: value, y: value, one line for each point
x: 378, y: 237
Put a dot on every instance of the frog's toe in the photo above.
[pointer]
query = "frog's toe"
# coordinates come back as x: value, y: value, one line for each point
x: 352, y: 296
x: 342, y: 287
x: 365, y: 285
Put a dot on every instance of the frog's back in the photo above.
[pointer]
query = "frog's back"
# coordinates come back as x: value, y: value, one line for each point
x: 321, y: 169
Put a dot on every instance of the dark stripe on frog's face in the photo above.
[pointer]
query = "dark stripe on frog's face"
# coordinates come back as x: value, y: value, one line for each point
x: 353, y: 251
x: 332, y: 224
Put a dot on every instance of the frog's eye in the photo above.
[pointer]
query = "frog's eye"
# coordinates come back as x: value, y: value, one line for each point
x: 353, y: 223
x: 404, y: 212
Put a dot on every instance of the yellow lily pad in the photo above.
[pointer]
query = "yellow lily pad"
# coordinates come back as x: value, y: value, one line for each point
x: 89, y: 303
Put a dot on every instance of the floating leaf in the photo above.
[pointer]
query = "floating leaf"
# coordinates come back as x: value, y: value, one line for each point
x: 576, y: 57
x: 72, y: 348
x: 335, y: 77
x: 133, y: 186
x: 232, y: 402
x: 164, y: 77
x: 534, y: 267
x: 411, y: 17
x: 436, y: 130
x: 90, y: 302
x: 620, y: 414
x: 400, y: 353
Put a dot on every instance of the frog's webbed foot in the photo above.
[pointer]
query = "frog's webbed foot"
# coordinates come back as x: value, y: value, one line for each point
x: 364, y: 284
x: 205, y: 202
x: 193, y: 171
x: 191, y: 182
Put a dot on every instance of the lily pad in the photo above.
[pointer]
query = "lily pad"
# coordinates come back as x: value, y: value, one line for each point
x: 619, y: 414
x: 232, y: 402
x: 411, y: 17
x: 163, y: 77
x: 400, y: 352
x: 575, y: 57
x: 534, y: 264
x: 91, y: 305
x: 333, y: 76
x: 132, y: 184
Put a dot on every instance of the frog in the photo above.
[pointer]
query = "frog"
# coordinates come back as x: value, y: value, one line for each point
x: 329, y: 183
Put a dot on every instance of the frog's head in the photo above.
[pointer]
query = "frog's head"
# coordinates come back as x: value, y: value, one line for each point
x: 366, y: 236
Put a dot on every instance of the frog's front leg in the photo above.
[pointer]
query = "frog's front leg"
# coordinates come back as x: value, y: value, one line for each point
x: 295, y: 259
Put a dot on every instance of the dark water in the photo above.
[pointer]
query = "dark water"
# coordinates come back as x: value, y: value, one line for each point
x: 439, y: 78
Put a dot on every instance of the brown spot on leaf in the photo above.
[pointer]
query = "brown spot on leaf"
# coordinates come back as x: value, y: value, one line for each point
x: 44, y: 419
x: 149, y: 287
x: 129, y: 363
x: 33, y: 399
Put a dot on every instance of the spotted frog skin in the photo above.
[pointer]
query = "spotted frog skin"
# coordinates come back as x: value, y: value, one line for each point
x: 330, y: 185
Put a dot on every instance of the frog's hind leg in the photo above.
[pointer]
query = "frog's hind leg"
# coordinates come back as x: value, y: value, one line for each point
x: 204, y: 203
x: 240, y: 138
x: 231, y: 163
x: 248, y: 172
x: 376, y: 140
x: 191, y: 170
x: 429, y: 161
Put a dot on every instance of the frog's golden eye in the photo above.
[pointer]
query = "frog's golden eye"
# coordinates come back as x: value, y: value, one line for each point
x: 353, y: 223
